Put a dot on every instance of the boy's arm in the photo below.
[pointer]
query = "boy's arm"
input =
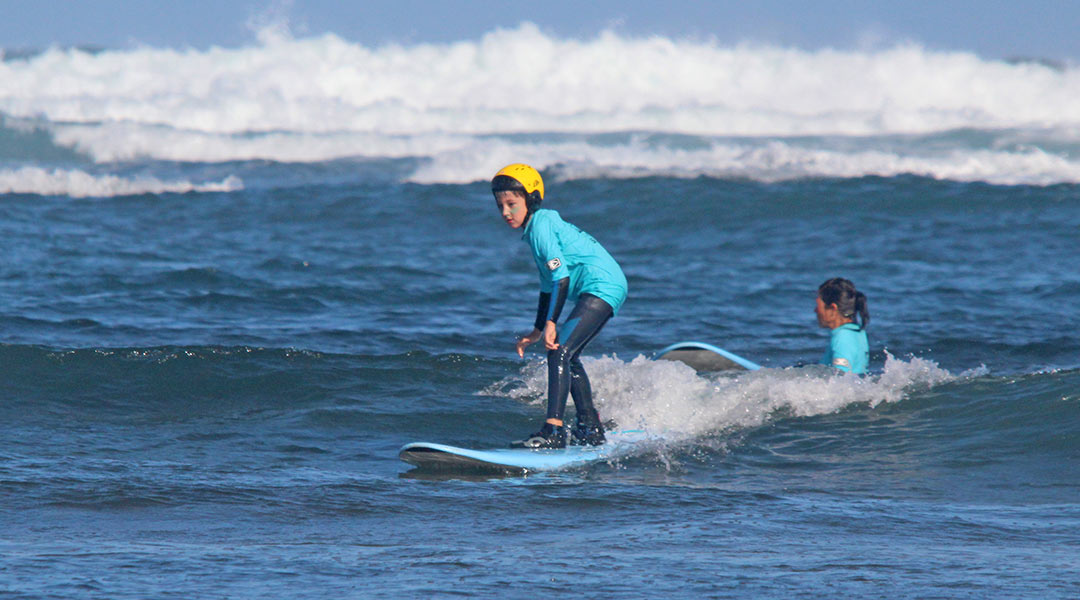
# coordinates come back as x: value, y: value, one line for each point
x: 542, y: 310
x: 549, y: 309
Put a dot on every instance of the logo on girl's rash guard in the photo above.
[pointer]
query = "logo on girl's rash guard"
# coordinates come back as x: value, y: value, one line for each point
x: 553, y: 264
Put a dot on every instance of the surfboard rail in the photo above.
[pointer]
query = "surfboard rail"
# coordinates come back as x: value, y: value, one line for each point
x: 429, y: 455
x: 444, y: 457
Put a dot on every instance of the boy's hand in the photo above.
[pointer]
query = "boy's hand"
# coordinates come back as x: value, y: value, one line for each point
x: 529, y: 339
x: 551, y: 336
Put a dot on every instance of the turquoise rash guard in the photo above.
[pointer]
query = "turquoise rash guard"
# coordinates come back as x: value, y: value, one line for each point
x: 563, y: 251
x: 849, y: 349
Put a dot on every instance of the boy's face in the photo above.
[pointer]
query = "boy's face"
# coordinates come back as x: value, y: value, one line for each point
x: 511, y: 205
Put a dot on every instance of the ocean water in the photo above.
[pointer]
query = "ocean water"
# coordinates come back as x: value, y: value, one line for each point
x: 237, y: 281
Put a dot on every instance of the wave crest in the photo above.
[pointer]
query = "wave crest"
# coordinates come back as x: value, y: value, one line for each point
x: 80, y: 184
x: 514, y: 80
x: 520, y: 94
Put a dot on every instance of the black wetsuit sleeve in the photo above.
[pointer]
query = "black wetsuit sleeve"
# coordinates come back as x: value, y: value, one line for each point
x: 562, y: 288
x: 549, y: 308
x: 542, y: 310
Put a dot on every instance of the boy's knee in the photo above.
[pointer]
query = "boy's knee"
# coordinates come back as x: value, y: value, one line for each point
x: 562, y: 355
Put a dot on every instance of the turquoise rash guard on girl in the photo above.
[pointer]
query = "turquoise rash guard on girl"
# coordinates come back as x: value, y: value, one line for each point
x: 849, y: 349
x: 560, y: 250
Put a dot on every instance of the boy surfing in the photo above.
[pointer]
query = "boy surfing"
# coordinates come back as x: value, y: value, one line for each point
x: 573, y: 267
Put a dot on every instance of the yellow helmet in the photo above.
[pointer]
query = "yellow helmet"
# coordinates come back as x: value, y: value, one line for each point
x: 523, y: 178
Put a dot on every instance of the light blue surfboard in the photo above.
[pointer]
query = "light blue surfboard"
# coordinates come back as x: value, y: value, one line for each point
x: 430, y: 456
x: 706, y: 357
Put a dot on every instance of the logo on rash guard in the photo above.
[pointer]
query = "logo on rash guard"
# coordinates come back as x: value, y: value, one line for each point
x: 841, y: 362
x: 553, y: 264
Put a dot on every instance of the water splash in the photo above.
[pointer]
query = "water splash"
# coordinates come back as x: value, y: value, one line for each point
x: 672, y: 402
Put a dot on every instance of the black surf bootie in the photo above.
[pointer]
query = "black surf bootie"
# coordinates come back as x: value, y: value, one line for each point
x: 588, y: 431
x: 549, y: 436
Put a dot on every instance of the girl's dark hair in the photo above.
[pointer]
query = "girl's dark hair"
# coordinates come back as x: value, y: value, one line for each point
x: 842, y: 293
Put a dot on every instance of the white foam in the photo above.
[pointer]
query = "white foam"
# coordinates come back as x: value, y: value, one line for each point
x: 463, y: 105
x: 523, y: 80
x: 775, y: 160
x: 80, y: 184
x: 672, y: 402
x: 454, y: 158
x: 108, y: 142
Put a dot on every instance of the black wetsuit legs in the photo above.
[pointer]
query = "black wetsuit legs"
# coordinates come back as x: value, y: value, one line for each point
x: 566, y: 374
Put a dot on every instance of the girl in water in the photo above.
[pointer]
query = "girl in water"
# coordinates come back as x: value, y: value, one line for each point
x: 837, y: 307
x: 573, y: 266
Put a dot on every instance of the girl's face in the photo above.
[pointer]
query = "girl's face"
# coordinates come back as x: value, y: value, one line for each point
x: 512, y: 207
x: 829, y: 316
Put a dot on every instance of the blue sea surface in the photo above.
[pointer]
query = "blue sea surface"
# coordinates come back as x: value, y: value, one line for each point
x: 237, y: 281
x: 204, y: 394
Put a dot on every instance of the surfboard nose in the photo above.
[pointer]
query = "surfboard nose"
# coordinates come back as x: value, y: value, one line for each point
x: 706, y: 357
